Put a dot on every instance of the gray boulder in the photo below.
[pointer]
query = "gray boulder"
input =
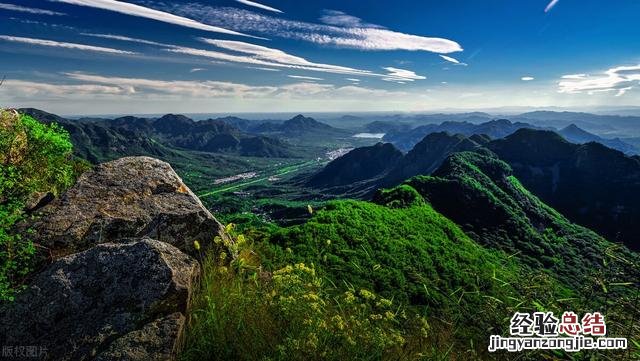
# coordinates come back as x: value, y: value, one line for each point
x: 131, y: 197
x: 121, y: 301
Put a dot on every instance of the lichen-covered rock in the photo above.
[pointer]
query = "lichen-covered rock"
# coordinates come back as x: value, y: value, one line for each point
x: 122, y: 299
x: 148, y: 343
x: 129, y: 197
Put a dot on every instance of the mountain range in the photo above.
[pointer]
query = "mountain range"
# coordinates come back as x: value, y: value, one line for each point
x: 294, y: 128
x: 406, y: 138
x: 591, y: 184
x: 480, y: 192
x: 102, y: 139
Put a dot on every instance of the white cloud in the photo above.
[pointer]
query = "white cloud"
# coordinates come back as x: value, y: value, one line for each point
x: 275, y: 57
x: 303, y: 89
x: 255, y: 4
x: 353, y: 80
x: 57, y: 44
x: 527, y: 78
x: 452, y: 60
x: 304, y: 77
x: 262, y: 68
x: 148, y: 13
x: 263, y: 56
x: 177, y: 87
x: 121, y: 90
x: 339, y: 18
x: 125, y: 38
x: 380, y: 39
x: 574, y: 76
x: 19, y: 88
x: 401, y: 75
x: 619, y: 79
x: 355, y: 37
x: 551, y: 5
x: 195, y: 70
x: 23, y: 9
x: 278, y: 60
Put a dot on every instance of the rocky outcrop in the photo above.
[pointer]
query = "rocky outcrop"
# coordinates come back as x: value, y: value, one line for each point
x: 155, y: 341
x: 130, y: 197
x: 121, y: 301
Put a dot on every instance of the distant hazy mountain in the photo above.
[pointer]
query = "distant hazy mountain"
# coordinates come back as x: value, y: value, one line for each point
x: 97, y: 142
x: 386, y: 127
x: 591, y: 184
x: 575, y: 134
x: 603, y: 125
x: 495, y: 129
x: 405, y: 139
x: 298, y: 126
x: 366, y: 163
x: 101, y: 139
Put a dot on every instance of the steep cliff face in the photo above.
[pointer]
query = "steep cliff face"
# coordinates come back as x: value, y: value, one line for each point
x: 120, y: 274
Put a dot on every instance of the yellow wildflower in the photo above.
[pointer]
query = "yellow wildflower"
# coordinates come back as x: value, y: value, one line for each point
x: 367, y: 295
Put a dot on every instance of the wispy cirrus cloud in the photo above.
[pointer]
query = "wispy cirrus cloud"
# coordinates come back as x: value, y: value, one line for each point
x: 401, y: 75
x: 124, y: 38
x: 260, y: 6
x: 24, y: 9
x: 452, y: 60
x: 551, y: 5
x: 176, y: 87
x: 276, y: 56
x: 117, y: 89
x: 339, y: 18
x: 262, y: 56
x: 527, y: 78
x: 574, y: 76
x: 57, y: 44
x: 148, y: 13
x: 21, y: 88
x: 262, y: 68
x: 362, y: 37
x: 618, y: 79
x: 304, y: 77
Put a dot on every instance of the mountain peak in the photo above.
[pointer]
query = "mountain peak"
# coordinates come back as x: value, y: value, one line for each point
x: 300, y: 122
x: 175, y: 118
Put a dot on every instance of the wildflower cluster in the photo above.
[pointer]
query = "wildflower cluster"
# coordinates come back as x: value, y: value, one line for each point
x: 351, y: 325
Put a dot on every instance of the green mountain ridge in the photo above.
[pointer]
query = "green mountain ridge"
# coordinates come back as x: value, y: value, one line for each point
x: 479, y: 192
x: 589, y: 183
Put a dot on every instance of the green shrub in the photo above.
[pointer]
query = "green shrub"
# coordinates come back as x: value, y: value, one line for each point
x: 34, y: 158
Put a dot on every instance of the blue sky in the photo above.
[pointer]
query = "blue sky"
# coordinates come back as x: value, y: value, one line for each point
x: 155, y: 56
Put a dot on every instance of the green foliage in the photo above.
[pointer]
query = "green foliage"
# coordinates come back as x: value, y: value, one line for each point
x: 34, y: 158
x: 241, y: 312
x: 479, y: 192
x: 399, y: 197
x: 420, y: 259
